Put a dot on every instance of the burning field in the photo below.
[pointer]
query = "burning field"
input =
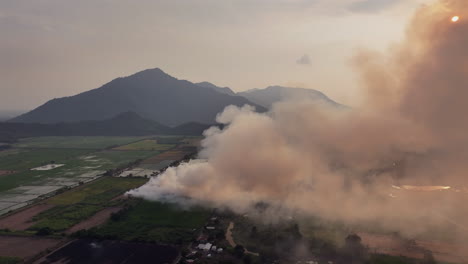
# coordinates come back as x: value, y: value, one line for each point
x: 339, y: 164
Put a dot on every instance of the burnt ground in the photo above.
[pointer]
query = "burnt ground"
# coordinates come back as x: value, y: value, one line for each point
x: 91, y: 251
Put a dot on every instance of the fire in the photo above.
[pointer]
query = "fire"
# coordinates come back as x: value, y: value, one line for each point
x: 425, y: 188
x: 455, y: 19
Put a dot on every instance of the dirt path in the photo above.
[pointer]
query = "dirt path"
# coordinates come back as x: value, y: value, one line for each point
x: 22, y: 220
x: 229, y: 235
x: 96, y: 220
x: 231, y: 241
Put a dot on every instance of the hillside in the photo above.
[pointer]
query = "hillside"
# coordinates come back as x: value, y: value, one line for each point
x: 272, y: 94
x: 125, y: 124
x: 223, y: 90
x: 152, y: 94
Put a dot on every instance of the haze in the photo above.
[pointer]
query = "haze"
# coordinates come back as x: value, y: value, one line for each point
x: 55, y: 48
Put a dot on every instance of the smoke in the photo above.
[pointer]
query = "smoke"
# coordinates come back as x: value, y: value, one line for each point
x: 340, y: 164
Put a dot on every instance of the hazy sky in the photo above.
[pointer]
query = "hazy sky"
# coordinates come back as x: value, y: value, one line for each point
x: 56, y: 48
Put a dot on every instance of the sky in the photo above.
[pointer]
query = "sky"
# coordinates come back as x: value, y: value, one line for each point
x: 56, y: 48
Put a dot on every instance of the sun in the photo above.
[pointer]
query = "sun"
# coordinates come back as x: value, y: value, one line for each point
x: 455, y: 19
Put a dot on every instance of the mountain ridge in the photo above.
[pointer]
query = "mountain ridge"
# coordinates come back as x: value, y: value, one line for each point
x: 151, y: 93
x: 123, y: 124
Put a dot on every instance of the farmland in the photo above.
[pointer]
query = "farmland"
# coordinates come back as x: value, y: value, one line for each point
x: 73, y: 204
x: 154, y: 221
x: 75, y: 142
x: 60, y: 181
x: 35, y: 168
x: 147, y: 144
x: 77, y: 205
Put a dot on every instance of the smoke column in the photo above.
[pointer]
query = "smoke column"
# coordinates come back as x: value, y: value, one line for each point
x: 341, y: 164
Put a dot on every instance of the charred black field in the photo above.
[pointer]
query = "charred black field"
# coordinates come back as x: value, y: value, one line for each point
x: 112, y: 252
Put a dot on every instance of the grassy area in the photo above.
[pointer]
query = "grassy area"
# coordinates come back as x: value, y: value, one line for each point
x: 154, y: 222
x: 10, y: 260
x: 79, y: 204
x: 22, y: 161
x: 27, y: 159
x: 101, y: 190
x: 75, y: 142
x: 77, y: 162
x: 113, y: 159
x: 147, y: 144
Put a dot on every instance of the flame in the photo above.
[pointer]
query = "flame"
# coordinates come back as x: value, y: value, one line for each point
x: 425, y: 188
x: 455, y: 19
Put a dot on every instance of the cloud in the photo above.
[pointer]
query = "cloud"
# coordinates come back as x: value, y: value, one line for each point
x: 371, y: 6
x: 304, y: 60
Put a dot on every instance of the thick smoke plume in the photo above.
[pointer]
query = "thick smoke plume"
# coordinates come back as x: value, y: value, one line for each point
x: 341, y: 164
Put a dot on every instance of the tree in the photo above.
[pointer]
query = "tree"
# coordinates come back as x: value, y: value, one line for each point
x: 239, y: 251
x: 253, y: 231
x: 44, y: 231
x: 353, y: 250
x: 428, y: 258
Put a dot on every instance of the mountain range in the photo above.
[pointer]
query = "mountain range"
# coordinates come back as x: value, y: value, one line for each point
x: 124, y: 124
x: 154, y: 95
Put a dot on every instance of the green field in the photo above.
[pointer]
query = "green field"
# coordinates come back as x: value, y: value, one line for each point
x: 154, y: 221
x: 75, y: 142
x: 83, y: 159
x: 111, y: 159
x: 103, y: 189
x: 77, y: 162
x: 77, y: 205
x: 10, y: 260
x: 147, y: 144
x: 19, y: 160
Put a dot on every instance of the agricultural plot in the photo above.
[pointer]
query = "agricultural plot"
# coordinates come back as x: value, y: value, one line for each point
x: 154, y: 222
x: 147, y: 144
x: 107, y: 251
x: 192, y: 141
x: 25, y: 247
x: 174, y: 154
x: 153, y: 165
x: 70, y: 208
x: 29, y: 174
x: 48, y: 167
x: 22, y: 219
x: 138, y: 172
x: 20, y: 160
x: 156, y: 167
x: 75, y: 142
x: 103, y: 189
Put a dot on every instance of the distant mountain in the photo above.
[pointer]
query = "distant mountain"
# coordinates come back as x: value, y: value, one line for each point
x: 152, y: 94
x: 272, y: 94
x: 124, y: 124
x: 6, y: 115
x: 223, y: 90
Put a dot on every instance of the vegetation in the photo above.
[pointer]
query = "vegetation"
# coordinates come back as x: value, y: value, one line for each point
x: 75, y: 142
x: 19, y: 160
x: 10, y: 260
x: 81, y: 203
x: 103, y: 189
x: 147, y: 144
x: 152, y: 222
